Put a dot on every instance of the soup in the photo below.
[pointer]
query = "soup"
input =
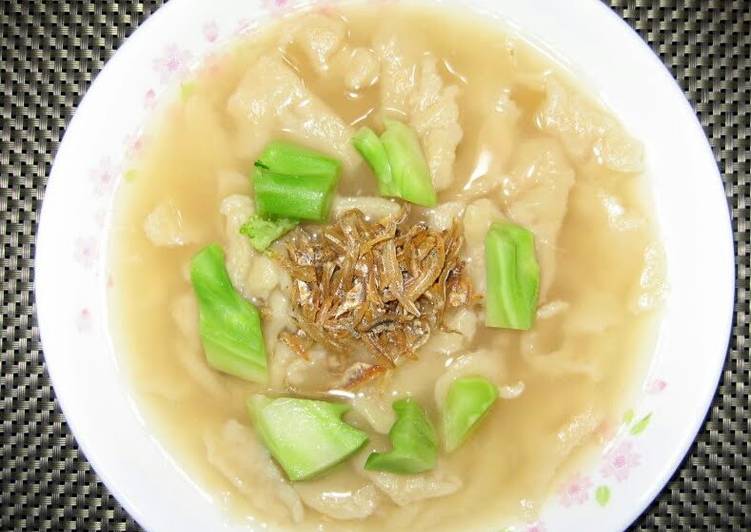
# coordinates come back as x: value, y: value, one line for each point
x: 458, y: 285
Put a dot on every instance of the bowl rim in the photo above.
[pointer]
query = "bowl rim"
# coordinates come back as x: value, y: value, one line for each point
x: 46, y: 232
x: 727, y: 330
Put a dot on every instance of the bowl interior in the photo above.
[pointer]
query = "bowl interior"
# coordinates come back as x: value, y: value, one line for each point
x: 72, y: 243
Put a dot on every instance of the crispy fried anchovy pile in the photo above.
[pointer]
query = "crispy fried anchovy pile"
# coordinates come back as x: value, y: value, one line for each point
x: 378, y: 286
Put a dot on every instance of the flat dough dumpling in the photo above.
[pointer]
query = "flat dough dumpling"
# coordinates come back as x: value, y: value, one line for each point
x: 650, y: 290
x: 478, y: 217
x: 238, y: 455
x: 184, y: 310
x: 238, y: 251
x: 277, y: 317
x: 323, y: 41
x: 264, y: 275
x: 374, y: 406
x: 268, y: 90
x: 577, y: 430
x: 463, y: 321
x: 406, y: 490
x: 271, y: 97
x: 498, y: 135
x: 340, y: 495
x: 398, y: 71
x: 572, y: 358
x: 586, y: 131
x: 373, y: 207
x: 443, y: 215
x: 357, y: 504
x: 312, y: 374
x: 280, y: 358
x: 579, y: 340
x: 435, y: 116
x: 412, y: 87
x: 320, y: 37
x: 536, y: 196
x: 165, y: 226
x: 495, y: 141
x: 361, y: 68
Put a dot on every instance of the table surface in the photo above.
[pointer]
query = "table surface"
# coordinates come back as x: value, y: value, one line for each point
x: 49, y: 53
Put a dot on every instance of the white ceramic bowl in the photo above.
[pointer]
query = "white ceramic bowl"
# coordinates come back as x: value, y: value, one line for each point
x: 72, y: 272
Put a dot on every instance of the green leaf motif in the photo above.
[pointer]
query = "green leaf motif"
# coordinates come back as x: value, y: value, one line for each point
x: 641, y: 425
x: 186, y: 89
x: 602, y: 495
x: 130, y: 175
x: 628, y: 416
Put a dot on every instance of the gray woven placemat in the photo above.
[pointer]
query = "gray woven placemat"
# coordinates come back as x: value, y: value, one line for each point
x: 50, y: 51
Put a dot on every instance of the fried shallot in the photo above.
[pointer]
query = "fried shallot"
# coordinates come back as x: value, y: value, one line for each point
x: 373, y: 288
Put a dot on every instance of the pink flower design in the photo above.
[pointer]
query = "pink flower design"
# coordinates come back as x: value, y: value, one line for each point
x: 537, y: 526
x: 84, y: 321
x: 149, y: 99
x: 210, y: 31
x: 133, y: 144
x: 103, y: 177
x: 276, y: 5
x: 86, y: 252
x: 243, y: 26
x: 656, y: 386
x: 575, y: 491
x: 619, y: 461
x: 173, y: 63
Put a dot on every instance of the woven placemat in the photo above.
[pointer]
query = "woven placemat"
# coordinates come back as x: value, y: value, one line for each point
x: 51, y: 50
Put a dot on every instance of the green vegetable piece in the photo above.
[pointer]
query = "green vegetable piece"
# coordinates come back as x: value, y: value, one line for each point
x: 187, y: 89
x: 301, y: 197
x: 410, y: 172
x: 263, y: 232
x: 513, y: 277
x: 230, y: 325
x: 468, y: 400
x: 367, y: 143
x: 306, y: 437
x: 286, y: 158
x: 294, y: 182
x: 413, y: 440
x: 602, y: 495
x: 641, y: 425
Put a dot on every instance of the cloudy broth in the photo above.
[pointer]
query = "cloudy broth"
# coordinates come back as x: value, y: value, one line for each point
x: 565, y: 384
